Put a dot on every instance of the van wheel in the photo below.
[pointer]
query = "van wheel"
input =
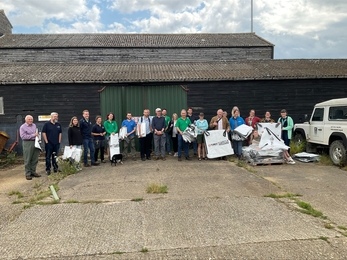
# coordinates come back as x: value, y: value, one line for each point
x: 337, y: 152
x: 298, y: 139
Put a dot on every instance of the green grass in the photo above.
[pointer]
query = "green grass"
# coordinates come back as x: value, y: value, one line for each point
x: 306, y: 208
x: 328, y: 226
x: 323, y: 238
x: 324, y: 159
x: 342, y: 227
x: 137, y: 199
x: 27, y: 206
x: 245, y: 165
x: 117, y: 253
x: 144, y: 250
x: 297, y: 147
x: 279, y: 196
x: 18, y: 193
x: 47, y: 202
x: 17, y: 202
x: 66, y: 169
x: 156, y: 188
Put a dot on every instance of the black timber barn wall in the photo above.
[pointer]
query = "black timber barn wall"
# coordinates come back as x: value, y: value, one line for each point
x: 297, y: 96
x: 66, y: 99
x: 133, y: 54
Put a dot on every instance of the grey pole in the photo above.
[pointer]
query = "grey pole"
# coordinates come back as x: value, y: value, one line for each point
x: 251, y: 15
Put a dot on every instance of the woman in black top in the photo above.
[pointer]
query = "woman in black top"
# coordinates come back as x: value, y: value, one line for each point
x: 99, y: 132
x: 74, y: 133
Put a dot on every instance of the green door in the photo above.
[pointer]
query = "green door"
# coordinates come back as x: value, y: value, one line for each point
x: 134, y: 99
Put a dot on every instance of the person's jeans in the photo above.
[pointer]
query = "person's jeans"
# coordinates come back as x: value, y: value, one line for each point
x: 88, y: 144
x: 185, y: 145
x: 132, y: 146
x: 145, y: 145
x: 168, y: 146
x: 52, y: 151
x: 237, y: 146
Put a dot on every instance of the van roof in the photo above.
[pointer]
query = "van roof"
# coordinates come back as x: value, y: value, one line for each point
x: 334, y: 102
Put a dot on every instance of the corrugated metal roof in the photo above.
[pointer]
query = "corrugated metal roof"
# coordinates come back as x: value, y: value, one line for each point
x: 208, y: 40
x: 33, y: 73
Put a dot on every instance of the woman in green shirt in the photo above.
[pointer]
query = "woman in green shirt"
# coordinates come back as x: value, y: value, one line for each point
x: 111, y: 128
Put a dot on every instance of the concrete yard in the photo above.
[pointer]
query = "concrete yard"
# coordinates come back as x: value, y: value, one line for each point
x: 213, y: 210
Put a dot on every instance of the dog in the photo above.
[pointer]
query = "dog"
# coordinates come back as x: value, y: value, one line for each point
x: 116, y: 158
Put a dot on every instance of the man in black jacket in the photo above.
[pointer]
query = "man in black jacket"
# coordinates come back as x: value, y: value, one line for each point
x: 158, y: 125
x: 86, y: 131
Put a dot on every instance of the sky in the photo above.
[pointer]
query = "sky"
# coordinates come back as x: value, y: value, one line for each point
x: 299, y: 28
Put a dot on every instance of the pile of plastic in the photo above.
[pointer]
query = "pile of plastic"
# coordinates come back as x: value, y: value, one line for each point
x: 268, y: 150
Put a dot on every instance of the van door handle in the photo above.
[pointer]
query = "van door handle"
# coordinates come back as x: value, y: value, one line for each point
x: 320, y: 129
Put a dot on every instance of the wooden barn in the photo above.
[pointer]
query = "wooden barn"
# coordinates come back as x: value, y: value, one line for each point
x: 68, y: 73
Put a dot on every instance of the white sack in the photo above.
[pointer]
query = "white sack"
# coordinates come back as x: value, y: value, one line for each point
x: 217, y: 144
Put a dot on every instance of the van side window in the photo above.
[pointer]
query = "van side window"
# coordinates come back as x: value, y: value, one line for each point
x: 338, y: 113
x: 318, y: 114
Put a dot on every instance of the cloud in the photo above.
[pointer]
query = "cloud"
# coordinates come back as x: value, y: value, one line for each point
x: 89, y: 24
x: 36, y: 12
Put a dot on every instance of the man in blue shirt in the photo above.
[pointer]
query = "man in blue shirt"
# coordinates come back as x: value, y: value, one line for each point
x: 87, y: 140
x: 51, y: 133
x: 130, y: 137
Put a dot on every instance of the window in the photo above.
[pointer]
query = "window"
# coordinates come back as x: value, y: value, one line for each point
x: 1, y: 105
x: 338, y: 113
x: 318, y: 114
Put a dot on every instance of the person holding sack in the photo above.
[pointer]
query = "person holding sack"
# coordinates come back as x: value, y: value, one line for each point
x: 219, y: 122
x: 99, y: 132
x: 235, y: 121
x: 145, y: 141
x: 111, y: 128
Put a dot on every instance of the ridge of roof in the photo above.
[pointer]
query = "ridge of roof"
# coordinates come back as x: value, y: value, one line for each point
x: 132, y: 40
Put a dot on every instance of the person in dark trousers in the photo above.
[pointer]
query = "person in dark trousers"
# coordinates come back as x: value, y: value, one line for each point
x: 193, y: 119
x: 99, y: 132
x: 88, y: 144
x: 146, y: 141
x: 31, y: 154
x: 51, y: 133
x: 158, y: 125
x: 182, y: 123
x: 287, y: 127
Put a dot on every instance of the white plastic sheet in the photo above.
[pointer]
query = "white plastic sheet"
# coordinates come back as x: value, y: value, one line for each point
x: 114, y: 145
x: 243, y: 131
x: 123, y: 132
x: 306, y: 157
x: 190, y: 133
x: 274, y: 127
x: 217, y: 144
x: 73, y: 153
x: 141, y: 129
x: 270, y: 141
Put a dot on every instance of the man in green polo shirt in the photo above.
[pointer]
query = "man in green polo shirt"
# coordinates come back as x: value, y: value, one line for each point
x: 182, y: 123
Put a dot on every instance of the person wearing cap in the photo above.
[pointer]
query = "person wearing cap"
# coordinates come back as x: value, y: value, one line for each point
x: 181, y: 124
x: 31, y: 154
x: 287, y: 126
x: 202, y: 126
x: 158, y: 126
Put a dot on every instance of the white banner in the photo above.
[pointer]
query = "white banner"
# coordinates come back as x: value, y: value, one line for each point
x: 217, y: 144
x: 114, y: 145
x: 73, y: 153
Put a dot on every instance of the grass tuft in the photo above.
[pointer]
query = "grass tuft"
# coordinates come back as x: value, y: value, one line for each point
x: 324, y: 159
x: 17, y: 202
x: 297, y: 146
x: 328, y: 226
x: 323, y: 238
x: 117, y: 253
x: 306, y: 208
x: 137, y: 199
x: 144, y: 250
x: 18, y: 193
x: 156, y: 188
x: 342, y: 227
x: 279, y: 196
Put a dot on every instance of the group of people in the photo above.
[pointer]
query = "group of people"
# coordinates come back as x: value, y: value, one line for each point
x: 160, y: 129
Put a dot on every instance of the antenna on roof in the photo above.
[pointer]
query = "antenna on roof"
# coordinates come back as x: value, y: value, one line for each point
x: 251, y: 15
